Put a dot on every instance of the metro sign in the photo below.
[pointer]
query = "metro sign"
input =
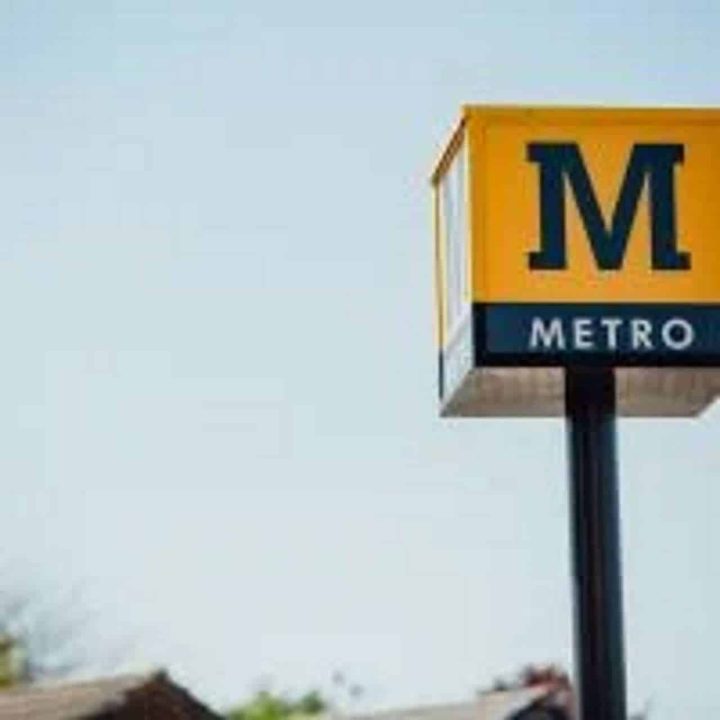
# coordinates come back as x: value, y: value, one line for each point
x: 578, y: 237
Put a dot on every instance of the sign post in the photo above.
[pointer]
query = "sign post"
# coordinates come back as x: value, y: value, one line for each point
x: 595, y: 537
x: 578, y: 275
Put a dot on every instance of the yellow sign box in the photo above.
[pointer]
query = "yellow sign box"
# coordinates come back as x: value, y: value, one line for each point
x: 578, y: 236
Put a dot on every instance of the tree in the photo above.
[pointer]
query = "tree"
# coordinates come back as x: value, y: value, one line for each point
x: 266, y: 705
x: 532, y: 675
x: 38, y: 638
x: 555, y: 701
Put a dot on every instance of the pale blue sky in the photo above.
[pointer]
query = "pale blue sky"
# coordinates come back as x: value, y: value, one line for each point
x: 218, y: 416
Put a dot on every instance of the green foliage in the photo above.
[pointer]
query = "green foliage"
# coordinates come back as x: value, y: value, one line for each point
x: 311, y: 703
x: 11, y: 670
x: 37, y: 639
x: 269, y: 706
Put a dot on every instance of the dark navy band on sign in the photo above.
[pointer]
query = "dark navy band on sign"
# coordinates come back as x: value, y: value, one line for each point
x: 632, y: 334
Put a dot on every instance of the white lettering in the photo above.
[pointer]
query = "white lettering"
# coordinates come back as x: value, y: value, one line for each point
x: 611, y: 326
x: 547, y: 335
x: 583, y: 334
x: 678, y: 340
x: 641, y: 331
x: 610, y: 334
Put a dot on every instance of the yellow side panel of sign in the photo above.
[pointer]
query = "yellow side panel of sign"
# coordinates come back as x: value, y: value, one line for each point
x: 506, y: 205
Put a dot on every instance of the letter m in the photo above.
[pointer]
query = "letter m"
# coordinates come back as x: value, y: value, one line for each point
x: 652, y: 165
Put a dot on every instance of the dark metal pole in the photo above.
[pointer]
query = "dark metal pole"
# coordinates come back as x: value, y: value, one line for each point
x: 595, y: 535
